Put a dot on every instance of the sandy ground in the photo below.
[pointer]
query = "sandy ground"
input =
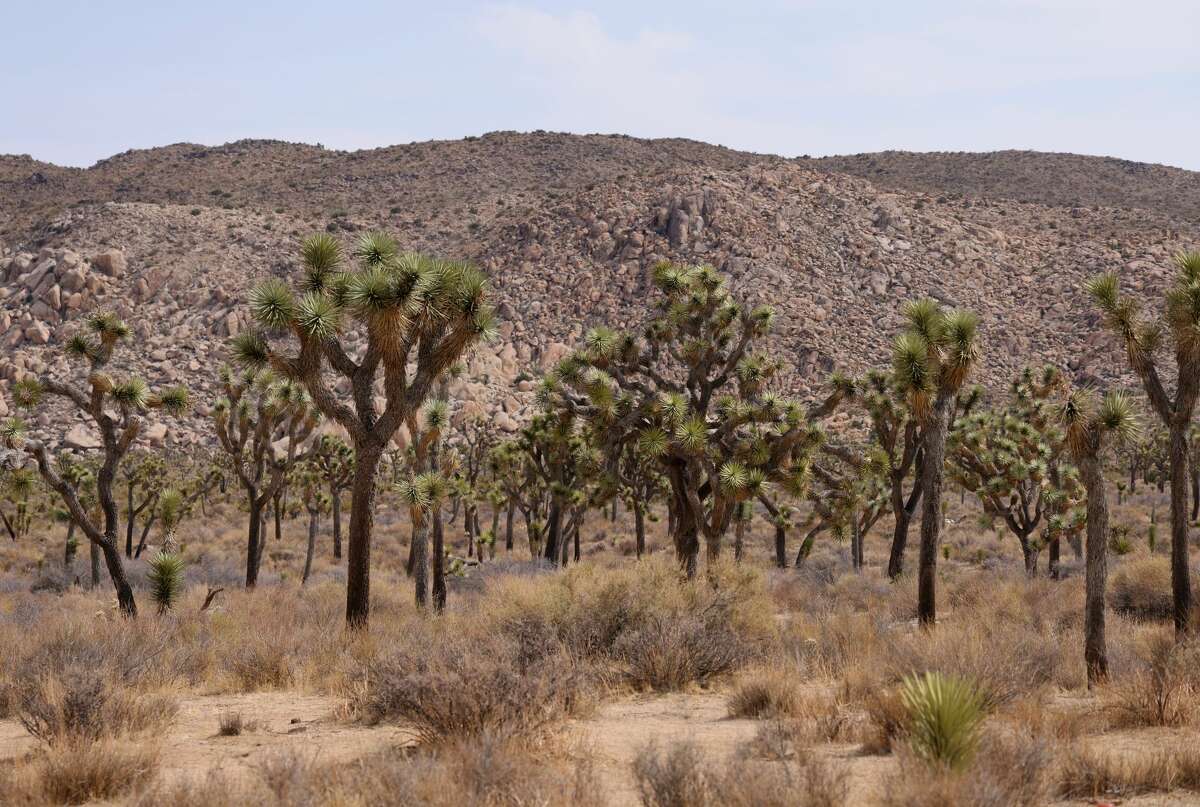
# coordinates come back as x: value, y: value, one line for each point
x: 310, y: 725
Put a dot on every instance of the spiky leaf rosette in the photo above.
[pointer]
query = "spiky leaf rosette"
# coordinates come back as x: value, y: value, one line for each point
x: 944, y: 716
x: 166, y: 578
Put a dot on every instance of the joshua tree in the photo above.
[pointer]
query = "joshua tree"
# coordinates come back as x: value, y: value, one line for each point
x: 516, y: 475
x: 334, y: 460
x: 640, y: 485
x: 850, y: 494
x: 898, y: 434
x: 419, y: 316
x: 931, y: 362
x: 1011, y: 458
x: 258, y: 412
x: 144, y: 474
x: 691, y: 393
x: 311, y: 485
x: 117, y: 409
x: 473, y: 440
x: 1087, y: 429
x: 1142, y: 339
x: 17, y: 489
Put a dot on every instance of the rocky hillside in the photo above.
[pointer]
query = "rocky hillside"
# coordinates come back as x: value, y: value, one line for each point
x: 1069, y: 180
x: 568, y: 228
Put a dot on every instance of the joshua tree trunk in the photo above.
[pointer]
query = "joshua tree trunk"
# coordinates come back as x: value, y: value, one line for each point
x: 277, y: 513
x: 903, y: 512
x: 362, y: 521
x: 1030, y: 555
x: 469, y: 526
x: 312, y: 545
x: 806, y: 545
x: 550, y: 551
x: 1181, y: 587
x: 439, y: 562
x: 420, y: 564
x: 931, y: 515
x: 739, y: 536
x: 1053, y: 561
x: 578, y: 528
x: 116, y: 570
x: 781, y: 546
x: 639, y: 528
x: 94, y: 556
x: 856, y: 544
x: 69, y: 548
x: 336, y: 504
x: 509, y: 516
x: 1095, y: 653
x: 1195, y: 494
x: 254, y: 540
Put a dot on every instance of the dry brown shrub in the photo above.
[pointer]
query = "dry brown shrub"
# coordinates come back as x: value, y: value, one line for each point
x: 78, y: 770
x: 453, y: 686
x: 1010, y: 770
x: 86, y: 705
x: 683, y: 776
x: 1140, y: 586
x: 1089, y: 773
x: 484, y: 770
x: 765, y: 692
x: 1005, y: 659
x: 886, y: 719
x: 1160, y: 689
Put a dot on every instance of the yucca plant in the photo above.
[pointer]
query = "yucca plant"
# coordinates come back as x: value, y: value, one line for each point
x: 413, y: 310
x: 118, y: 409
x: 165, y: 576
x: 944, y: 714
x: 1143, y: 339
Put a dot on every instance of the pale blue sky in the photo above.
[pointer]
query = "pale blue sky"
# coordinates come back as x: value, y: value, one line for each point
x: 83, y: 79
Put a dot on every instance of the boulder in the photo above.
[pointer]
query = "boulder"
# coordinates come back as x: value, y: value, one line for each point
x: 110, y: 262
x: 82, y: 438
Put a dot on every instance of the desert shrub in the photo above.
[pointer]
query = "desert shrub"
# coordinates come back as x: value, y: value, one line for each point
x: 232, y: 724
x: 1010, y: 770
x: 1003, y: 659
x: 666, y: 654
x: 600, y: 615
x: 85, y: 705
x: 484, y: 770
x: 80, y: 771
x: 1141, y: 587
x: 1159, y: 690
x: 456, y: 686
x: 682, y: 776
x: 944, y: 715
x: 765, y: 692
x: 1089, y: 773
x: 887, y: 719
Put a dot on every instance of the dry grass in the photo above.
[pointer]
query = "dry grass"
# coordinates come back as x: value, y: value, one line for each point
x: 454, y: 687
x: 1140, y: 586
x: 485, y: 771
x: 1160, y: 689
x: 1087, y: 773
x: 78, y: 771
x: 766, y: 692
x: 1010, y: 770
x: 683, y: 776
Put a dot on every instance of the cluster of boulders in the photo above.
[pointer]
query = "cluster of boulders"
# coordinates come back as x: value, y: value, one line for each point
x: 41, y: 290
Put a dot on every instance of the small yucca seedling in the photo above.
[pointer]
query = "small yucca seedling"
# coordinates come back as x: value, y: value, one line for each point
x: 166, y: 579
x: 944, y: 715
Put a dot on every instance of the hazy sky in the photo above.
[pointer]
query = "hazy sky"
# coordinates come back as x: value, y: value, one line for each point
x: 83, y: 79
